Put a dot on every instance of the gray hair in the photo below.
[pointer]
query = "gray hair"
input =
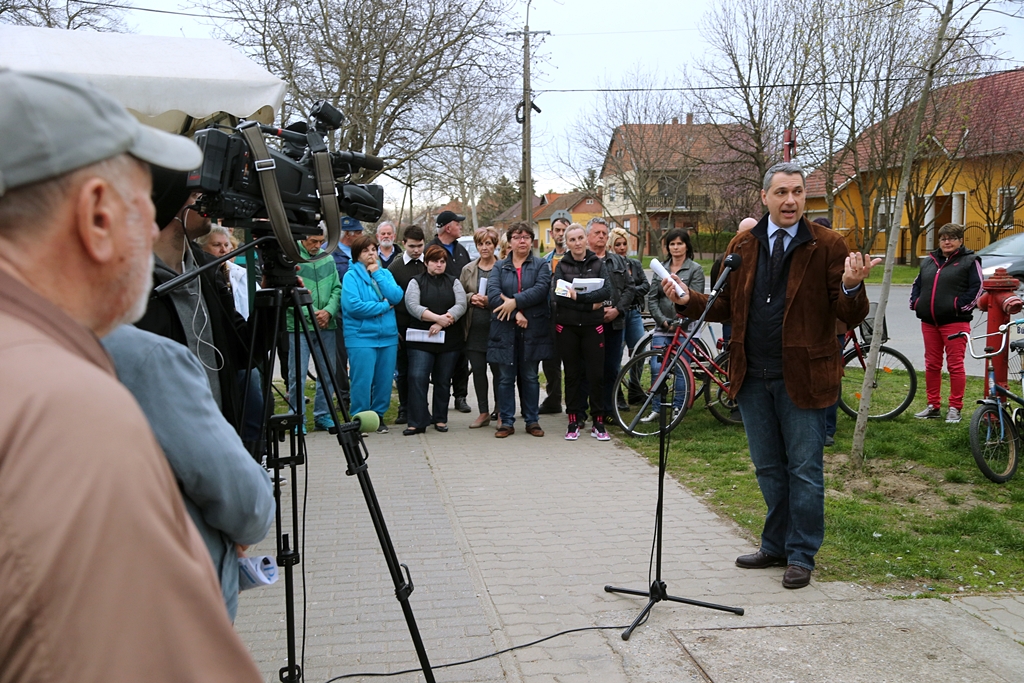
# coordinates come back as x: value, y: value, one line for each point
x: 596, y: 220
x: 383, y: 223
x: 785, y: 167
x: 215, y: 230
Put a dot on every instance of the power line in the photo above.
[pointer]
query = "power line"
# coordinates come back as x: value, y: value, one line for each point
x: 768, y: 86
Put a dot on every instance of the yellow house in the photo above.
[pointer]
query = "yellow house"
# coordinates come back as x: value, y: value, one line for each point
x: 969, y: 171
x: 582, y: 206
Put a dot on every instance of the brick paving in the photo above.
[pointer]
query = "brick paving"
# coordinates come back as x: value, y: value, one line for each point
x: 512, y: 540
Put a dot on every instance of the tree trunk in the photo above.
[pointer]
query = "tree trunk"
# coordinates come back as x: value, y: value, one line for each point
x: 860, y: 431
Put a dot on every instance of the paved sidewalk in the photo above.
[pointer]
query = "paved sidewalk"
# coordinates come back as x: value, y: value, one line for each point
x: 512, y: 540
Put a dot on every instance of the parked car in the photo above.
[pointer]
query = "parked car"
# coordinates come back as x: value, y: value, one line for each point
x: 470, y: 245
x: 1005, y: 253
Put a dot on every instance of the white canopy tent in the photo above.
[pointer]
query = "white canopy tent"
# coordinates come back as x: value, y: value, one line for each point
x: 175, y: 84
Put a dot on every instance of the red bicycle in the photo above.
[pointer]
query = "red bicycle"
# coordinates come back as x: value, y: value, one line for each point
x: 689, y: 370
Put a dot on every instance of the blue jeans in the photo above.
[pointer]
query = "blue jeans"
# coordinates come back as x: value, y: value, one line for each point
x: 679, y: 394
x: 529, y: 387
x: 634, y: 329
x: 372, y: 371
x: 423, y: 364
x: 252, y: 420
x: 612, y: 362
x: 320, y: 401
x: 786, y: 445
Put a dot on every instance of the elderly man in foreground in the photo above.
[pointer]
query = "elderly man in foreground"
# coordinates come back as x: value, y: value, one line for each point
x: 795, y: 279
x: 103, y: 577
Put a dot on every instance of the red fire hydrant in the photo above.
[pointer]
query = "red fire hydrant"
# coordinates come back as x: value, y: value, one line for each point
x: 1000, y: 301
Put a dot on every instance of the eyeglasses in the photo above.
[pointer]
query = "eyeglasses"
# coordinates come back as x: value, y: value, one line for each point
x: 522, y: 236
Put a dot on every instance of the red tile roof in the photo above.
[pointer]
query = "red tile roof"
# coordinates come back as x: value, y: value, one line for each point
x: 970, y: 119
x: 668, y: 146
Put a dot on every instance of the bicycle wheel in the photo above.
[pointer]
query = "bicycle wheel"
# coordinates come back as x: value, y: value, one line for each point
x: 643, y: 344
x: 701, y: 381
x: 994, y: 442
x: 642, y: 419
x: 894, y: 388
x: 721, y: 406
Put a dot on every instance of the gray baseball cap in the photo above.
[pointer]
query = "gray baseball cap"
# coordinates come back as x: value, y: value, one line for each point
x: 56, y: 123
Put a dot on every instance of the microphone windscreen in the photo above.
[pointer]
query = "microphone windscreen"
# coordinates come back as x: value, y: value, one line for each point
x: 733, y: 261
x: 368, y: 420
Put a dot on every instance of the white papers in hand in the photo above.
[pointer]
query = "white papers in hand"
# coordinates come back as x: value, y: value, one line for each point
x: 582, y: 285
x: 562, y: 287
x: 482, y: 288
x: 414, y: 335
x: 662, y: 274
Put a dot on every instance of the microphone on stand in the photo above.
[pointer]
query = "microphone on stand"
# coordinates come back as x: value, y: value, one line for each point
x: 729, y: 264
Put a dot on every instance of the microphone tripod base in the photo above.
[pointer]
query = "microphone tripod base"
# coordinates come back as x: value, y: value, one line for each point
x: 658, y: 592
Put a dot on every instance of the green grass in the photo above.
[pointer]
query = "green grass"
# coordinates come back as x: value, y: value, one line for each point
x: 901, y: 275
x: 918, y: 517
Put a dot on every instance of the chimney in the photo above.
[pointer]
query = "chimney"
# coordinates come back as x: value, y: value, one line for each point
x: 689, y: 119
x: 675, y: 120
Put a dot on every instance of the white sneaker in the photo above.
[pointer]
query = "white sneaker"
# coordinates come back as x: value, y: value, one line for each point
x: 953, y: 416
x: 651, y: 417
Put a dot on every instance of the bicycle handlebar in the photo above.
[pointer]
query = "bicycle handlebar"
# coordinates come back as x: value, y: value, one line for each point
x: 1004, y: 330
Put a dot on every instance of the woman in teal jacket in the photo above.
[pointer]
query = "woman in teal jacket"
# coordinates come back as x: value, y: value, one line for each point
x: 368, y: 297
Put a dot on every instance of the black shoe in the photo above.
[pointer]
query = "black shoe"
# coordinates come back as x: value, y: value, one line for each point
x: 401, y: 419
x: 830, y: 441
x: 441, y: 428
x: 462, y: 405
x: 550, y: 409
x: 796, y: 577
x: 410, y: 431
x: 494, y: 415
x: 760, y: 560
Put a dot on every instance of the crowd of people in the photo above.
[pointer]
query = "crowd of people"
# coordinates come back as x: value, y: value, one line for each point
x: 435, y: 317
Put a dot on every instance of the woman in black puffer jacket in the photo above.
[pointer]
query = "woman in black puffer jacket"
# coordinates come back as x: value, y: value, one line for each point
x: 944, y: 296
x: 579, y: 334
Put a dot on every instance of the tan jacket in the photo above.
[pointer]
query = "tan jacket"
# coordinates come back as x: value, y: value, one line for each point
x: 811, y: 362
x: 103, y: 577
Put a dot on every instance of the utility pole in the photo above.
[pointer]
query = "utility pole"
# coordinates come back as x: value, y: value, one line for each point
x: 523, y: 117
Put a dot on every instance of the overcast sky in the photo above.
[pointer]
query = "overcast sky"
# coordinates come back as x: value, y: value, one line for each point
x: 593, y: 43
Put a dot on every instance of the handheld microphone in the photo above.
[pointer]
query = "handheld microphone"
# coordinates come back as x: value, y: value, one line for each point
x: 729, y: 264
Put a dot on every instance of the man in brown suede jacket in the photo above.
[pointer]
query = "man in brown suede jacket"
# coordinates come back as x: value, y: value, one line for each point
x: 795, y: 280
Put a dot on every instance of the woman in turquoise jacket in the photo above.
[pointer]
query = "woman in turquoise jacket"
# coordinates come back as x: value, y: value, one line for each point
x: 368, y: 297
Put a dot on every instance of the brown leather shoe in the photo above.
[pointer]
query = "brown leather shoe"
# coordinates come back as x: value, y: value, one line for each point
x: 796, y: 577
x: 504, y: 431
x: 760, y: 560
x: 481, y: 421
x: 533, y: 429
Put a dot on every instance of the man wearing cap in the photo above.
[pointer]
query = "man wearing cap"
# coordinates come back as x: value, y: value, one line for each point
x: 103, y: 577
x: 350, y: 230
x: 449, y: 230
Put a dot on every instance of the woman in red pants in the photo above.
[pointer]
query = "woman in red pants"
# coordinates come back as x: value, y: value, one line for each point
x: 944, y: 296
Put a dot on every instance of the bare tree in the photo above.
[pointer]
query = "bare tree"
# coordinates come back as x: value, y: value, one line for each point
x: 647, y: 158
x: 751, y: 85
x: 994, y: 150
x: 69, y: 14
x: 478, y: 146
x: 954, y: 24
x: 397, y: 70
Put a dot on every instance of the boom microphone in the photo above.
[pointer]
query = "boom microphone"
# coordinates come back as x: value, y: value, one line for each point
x: 729, y: 264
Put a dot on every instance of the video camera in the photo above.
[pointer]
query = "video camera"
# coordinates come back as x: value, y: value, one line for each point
x: 233, y: 192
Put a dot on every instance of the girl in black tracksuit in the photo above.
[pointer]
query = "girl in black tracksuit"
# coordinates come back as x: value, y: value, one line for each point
x: 579, y: 333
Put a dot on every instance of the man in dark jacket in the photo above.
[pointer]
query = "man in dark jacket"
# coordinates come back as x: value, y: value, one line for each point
x: 617, y: 273
x: 449, y: 230
x: 520, y: 328
x: 795, y: 280
x: 404, y: 268
x: 201, y: 313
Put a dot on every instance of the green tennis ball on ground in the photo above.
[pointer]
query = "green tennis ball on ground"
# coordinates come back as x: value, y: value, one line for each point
x: 368, y: 420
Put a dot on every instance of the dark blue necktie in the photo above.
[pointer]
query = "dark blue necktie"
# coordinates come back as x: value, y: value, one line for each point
x: 778, y: 251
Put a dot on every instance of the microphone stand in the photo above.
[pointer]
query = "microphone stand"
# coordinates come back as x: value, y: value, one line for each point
x: 659, y: 589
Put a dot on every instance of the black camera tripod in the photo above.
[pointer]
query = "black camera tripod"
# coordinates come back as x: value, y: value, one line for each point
x: 280, y: 298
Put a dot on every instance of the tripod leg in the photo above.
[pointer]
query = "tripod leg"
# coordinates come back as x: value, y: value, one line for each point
x: 640, y: 617
x: 354, y: 449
